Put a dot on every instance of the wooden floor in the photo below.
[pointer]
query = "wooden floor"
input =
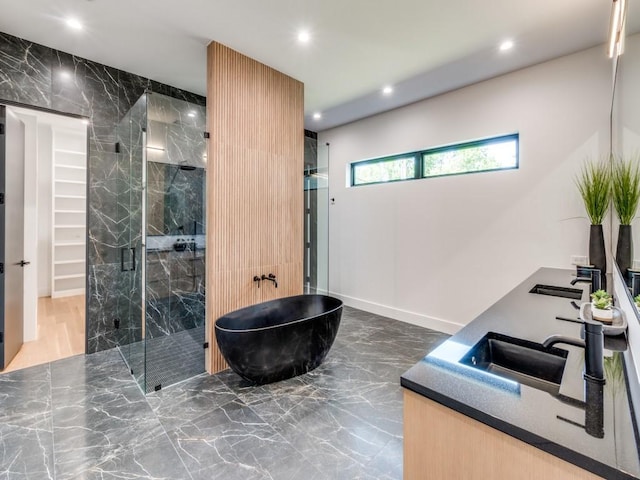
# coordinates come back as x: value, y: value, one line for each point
x: 61, y: 329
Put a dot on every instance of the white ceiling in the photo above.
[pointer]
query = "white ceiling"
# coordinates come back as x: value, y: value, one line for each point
x: 422, y: 47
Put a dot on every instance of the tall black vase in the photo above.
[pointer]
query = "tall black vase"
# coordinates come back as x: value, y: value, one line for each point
x: 624, y: 251
x: 597, y: 254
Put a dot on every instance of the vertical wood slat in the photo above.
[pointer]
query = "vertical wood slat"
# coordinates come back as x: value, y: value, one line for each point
x: 254, y: 185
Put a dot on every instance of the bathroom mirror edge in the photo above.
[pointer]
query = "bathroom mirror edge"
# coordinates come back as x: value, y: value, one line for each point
x: 625, y: 124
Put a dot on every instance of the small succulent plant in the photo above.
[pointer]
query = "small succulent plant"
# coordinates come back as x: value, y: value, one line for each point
x: 601, y: 299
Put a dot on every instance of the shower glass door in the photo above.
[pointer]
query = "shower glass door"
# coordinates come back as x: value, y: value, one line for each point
x: 174, y: 222
x: 130, y: 162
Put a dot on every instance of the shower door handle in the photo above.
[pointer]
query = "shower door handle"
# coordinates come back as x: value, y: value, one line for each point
x: 122, y: 250
x: 133, y: 259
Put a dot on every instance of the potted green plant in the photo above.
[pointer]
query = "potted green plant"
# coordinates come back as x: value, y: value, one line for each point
x: 601, y: 303
x: 625, y: 187
x: 636, y: 300
x: 594, y: 184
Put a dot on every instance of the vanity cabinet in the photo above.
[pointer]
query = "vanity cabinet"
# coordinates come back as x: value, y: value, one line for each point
x: 440, y: 443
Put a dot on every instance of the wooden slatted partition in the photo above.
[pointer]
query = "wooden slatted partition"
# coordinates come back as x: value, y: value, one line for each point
x: 254, y: 185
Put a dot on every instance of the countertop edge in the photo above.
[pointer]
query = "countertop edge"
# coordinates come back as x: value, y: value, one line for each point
x: 532, y: 439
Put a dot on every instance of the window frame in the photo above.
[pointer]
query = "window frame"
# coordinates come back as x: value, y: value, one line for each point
x: 418, y: 158
x: 391, y: 158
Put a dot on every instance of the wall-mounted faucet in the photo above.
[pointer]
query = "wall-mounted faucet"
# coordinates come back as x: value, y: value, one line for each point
x: 271, y: 278
x: 257, y: 279
x: 593, y: 345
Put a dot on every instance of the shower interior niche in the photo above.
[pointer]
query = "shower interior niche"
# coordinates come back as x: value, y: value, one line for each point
x: 161, y: 164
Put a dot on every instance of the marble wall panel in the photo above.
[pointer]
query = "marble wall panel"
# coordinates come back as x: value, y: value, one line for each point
x: 68, y: 84
x: 25, y: 71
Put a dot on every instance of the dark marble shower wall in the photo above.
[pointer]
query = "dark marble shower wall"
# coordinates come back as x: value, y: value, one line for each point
x: 31, y: 74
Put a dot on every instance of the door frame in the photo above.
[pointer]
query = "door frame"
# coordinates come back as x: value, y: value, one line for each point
x: 4, y: 103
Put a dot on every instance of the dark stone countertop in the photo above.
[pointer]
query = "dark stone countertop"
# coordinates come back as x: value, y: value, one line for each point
x: 527, y: 413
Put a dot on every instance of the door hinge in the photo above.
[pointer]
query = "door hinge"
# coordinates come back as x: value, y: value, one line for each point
x: 1, y: 267
x: 1, y: 337
x: 117, y: 147
x: 1, y: 198
x: 205, y: 345
x: 1, y: 128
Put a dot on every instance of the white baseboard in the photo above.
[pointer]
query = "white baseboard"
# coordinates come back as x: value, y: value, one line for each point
x: 413, y: 318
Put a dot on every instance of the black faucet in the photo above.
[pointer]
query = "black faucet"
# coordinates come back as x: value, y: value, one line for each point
x: 593, y: 345
x: 594, y: 278
x: 257, y: 279
x: 271, y: 278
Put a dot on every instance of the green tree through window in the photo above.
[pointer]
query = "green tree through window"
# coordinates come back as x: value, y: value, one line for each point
x: 496, y: 153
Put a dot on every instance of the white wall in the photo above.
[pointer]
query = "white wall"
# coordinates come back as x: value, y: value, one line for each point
x: 439, y: 251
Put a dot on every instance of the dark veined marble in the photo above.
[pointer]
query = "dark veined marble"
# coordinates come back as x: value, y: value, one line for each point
x: 38, y: 76
x: 279, y: 339
x: 342, y: 420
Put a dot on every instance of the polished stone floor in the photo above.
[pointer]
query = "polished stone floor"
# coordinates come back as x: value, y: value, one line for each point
x: 84, y: 417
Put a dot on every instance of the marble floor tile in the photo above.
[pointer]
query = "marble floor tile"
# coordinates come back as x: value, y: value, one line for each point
x: 155, y: 459
x: 85, y: 417
x: 25, y: 397
x: 189, y: 400
x: 233, y: 442
x: 26, y: 453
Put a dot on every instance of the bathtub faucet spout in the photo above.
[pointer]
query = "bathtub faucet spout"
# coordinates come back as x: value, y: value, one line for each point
x: 271, y: 278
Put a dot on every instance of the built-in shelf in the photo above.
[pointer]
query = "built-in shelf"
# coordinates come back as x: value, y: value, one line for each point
x: 69, y: 200
x: 71, y: 196
x: 74, y: 182
x: 74, y: 167
x: 73, y: 152
x: 68, y: 277
x: 69, y: 262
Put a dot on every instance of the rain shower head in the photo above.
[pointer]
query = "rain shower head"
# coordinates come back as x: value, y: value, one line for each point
x: 188, y: 168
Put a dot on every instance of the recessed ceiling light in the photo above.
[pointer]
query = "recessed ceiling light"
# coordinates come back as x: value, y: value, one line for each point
x: 317, y: 116
x: 65, y: 75
x: 388, y: 90
x: 85, y: 121
x: 304, y: 37
x: 191, y: 113
x: 506, y: 45
x: 74, y: 24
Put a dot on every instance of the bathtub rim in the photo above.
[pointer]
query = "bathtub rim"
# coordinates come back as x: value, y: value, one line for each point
x: 271, y: 327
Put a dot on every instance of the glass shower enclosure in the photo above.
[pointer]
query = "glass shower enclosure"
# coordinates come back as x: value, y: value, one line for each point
x: 161, y: 161
x: 316, y: 216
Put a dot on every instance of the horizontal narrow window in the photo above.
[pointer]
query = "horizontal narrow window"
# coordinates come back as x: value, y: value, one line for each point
x: 384, y: 170
x: 497, y: 153
x: 494, y: 154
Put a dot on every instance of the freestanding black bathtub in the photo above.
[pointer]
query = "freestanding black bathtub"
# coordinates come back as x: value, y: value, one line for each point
x: 279, y: 339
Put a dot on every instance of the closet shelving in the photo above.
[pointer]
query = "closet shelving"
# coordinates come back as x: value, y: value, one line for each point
x: 69, y: 224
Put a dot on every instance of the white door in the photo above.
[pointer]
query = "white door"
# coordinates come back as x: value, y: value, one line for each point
x: 11, y: 235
